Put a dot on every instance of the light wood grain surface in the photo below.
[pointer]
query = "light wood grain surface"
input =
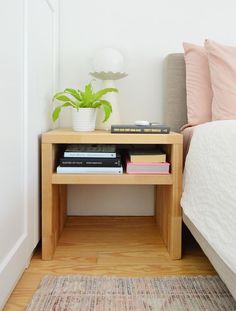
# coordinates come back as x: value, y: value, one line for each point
x: 169, y: 207
x: 67, y: 136
x: 124, y: 179
x: 124, y: 246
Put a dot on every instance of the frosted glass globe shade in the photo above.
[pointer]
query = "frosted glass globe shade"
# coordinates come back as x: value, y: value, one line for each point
x: 108, y: 60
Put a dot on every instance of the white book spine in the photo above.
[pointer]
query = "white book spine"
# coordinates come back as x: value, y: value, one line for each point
x: 90, y: 170
x: 89, y: 154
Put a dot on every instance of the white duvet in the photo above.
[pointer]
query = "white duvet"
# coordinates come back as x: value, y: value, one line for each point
x: 209, y: 197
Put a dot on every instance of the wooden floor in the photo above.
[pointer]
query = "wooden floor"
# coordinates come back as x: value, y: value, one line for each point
x: 125, y: 246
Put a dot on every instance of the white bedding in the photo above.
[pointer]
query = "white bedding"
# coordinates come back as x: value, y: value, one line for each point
x: 209, y: 197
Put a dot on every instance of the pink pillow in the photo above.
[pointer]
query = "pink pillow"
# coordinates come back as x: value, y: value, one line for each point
x: 222, y: 63
x: 198, y: 84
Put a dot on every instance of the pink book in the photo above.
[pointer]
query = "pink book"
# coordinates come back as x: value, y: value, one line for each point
x: 147, y: 168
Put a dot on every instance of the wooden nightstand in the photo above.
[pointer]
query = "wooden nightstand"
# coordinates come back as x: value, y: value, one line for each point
x: 54, y: 194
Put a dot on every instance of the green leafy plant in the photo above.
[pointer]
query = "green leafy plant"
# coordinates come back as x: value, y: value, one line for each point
x: 83, y: 99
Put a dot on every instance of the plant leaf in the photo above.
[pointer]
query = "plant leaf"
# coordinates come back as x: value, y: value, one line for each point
x: 88, y: 89
x: 57, y: 110
x: 75, y: 93
x: 107, y: 108
x: 88, y: 94
x: 103, y: 92
x: 83, y: 104
x: 58, y: 94
x: 62, y: 97
x: 67, y: 104
x: 56, y: 113
x: 96, y: 104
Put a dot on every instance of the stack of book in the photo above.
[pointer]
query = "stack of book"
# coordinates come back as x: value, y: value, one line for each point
x: 151, y: 128
x: 141, y: 161
x: 90, y: 159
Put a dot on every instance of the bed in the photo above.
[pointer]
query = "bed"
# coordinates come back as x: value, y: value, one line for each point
x: 209, y: 187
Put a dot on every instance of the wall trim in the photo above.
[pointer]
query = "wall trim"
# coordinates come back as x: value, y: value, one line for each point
x: 25, y: 118
x: 12, y: 252
x: 56, y: 49
x: 50, y: 5
x: 16, y: 261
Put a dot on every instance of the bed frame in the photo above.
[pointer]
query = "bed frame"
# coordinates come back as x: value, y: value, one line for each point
x: 175, y: 115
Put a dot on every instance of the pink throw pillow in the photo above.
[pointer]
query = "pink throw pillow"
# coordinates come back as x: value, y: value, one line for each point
x: 222, y: 63
x: 198, y: 84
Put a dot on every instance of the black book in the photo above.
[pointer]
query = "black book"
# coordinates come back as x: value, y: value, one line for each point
x: 152, y: 128
x: 90, y: 151
x: 90, y: 162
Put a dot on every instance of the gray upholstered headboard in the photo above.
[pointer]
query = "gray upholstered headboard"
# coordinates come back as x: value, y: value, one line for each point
x: 175, y: 109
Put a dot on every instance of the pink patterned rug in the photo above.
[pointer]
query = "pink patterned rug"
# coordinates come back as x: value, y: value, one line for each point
x: 89, y: 293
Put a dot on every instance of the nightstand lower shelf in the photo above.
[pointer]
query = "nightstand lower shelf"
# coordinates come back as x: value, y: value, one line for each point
x: 124, y: 179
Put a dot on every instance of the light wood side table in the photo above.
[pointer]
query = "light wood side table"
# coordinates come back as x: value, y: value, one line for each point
x: 54, y: 192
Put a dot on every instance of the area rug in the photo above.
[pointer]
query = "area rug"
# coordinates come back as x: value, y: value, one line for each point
x: 89, y: 293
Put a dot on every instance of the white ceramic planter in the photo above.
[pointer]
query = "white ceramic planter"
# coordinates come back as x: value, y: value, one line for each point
x: 84, y: 120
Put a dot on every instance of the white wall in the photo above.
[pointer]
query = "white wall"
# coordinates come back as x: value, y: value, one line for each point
x: 145, y: 32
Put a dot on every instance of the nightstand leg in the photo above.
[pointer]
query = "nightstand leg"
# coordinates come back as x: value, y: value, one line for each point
x: 169, y: 220
x: 175, y: 224
x: 168, y: 209
x: 62, y: 207
x: 162, y: 206
x: 175, y: 210
x: 50, y: 204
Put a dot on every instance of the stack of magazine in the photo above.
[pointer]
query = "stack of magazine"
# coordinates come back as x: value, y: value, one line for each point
x: 90, y: 159
x: 147, y: 161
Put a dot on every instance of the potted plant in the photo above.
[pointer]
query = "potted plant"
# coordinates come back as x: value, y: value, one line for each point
x: 84, y: 104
